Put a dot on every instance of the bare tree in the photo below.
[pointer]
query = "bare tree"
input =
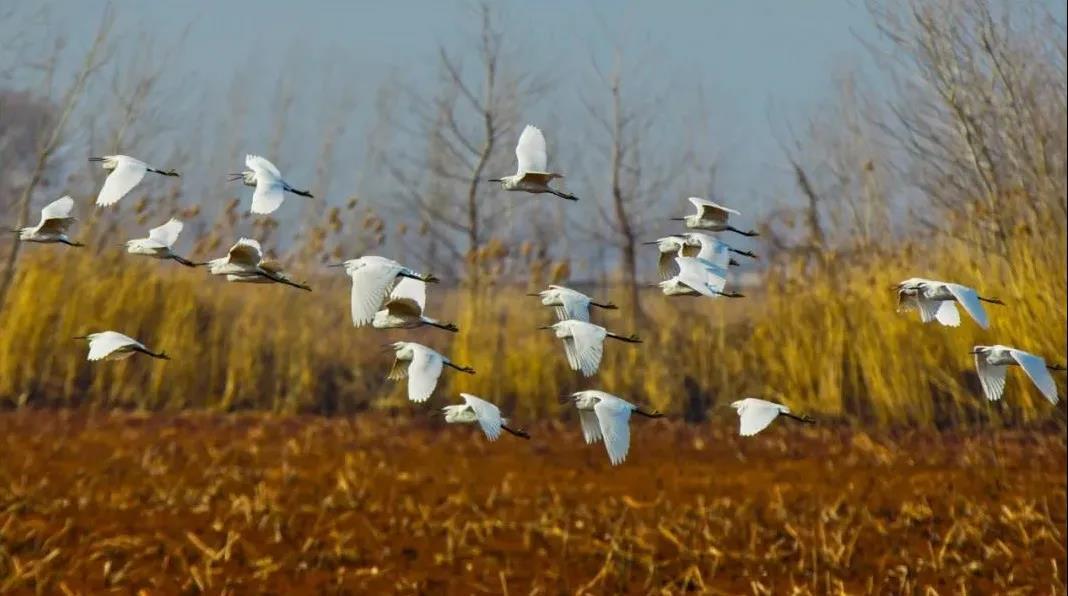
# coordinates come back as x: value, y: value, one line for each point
x: 52, y: 138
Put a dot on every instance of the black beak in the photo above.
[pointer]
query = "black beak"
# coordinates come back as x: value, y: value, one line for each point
x: 650, y: 243
x: 564, y: 399
x: 96, y: 159
x: 234, y: 176
x: 336, y: 265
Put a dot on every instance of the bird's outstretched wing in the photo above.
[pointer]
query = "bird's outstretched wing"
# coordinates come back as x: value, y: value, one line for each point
x: 413, y: 289
x: 1035, y: 367
x: 666, y: 265
x: 696, y: 275
x: 246, y: 252
x: 713, y: 211
x: 489, y: 415
x: 711, y: 250
x: 259, y: 164
x: 399, y: 370
x: 167, y: 234
x: 591, y: 427
x: 576, y: 306
x: 530, y: 151
x: 613, y: 415
x: 126, y: 175
x: 370, y: 285
x: 929, y: 309
x: 423, y: 373
x: 587, y: 344
x: 104, y: 343
x: 56, y: 216
x: 991, y: 377
x: 756, y: 414
x: 971, y: 303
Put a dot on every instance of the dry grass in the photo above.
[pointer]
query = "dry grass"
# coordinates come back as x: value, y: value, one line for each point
x: 249, y: 503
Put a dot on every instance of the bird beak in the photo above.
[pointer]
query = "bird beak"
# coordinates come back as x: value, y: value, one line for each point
x: 336, y: 265
x: 96, y: 159
x: 546, y: 327
x: 535, y: 294
x: 564, y: 399
x: 677, y: 218
x: 234, y: 176
x: 493, y: 180
x: 650, y: 243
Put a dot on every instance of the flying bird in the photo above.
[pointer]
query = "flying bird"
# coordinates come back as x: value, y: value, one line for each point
x: 270, y: 187
x: 112, y: 345
x: 694, y: 244
x: 372, y: 279
x: 405, y: 307
x: 756, y: 414
x: 936, y: 301
x: 532, y: 174
x: 487, y: 415
x: 159, y: 243
x: 697, y: 277
x: 56, y: 219
x: 584, y: 343
x: 992, y: 361
x: 244, y: 263
x: 711, y: 216
x: 570, y: 304
x: 126, y: 173
x: 423, y: 369
x: 605, y: 416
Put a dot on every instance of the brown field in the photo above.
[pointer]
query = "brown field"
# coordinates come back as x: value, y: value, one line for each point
x: 252, y: 503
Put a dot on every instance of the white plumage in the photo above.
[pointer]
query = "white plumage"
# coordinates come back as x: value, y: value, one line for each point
x: 126, y: 173
x: 56, y: 219
x: 270, y: 186
x: 405, y: 308
x: 159, y: 243
x: 570, y: 304
x: 423, y: 369
x: 991, y: 363
x: 755, y: 415
x: 937, y: 300
x: 711, y: 216
x: 372, y: 279
x: 477, y: 410
x: 605, y: 416
x: 584, y: 343
x: 112, y: 345
x: 532, y: 174
x: 244, y: 263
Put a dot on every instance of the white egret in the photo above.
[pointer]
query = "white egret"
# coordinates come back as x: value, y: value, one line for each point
x: 487, y: 415
x: 570, y: 304
x: 423, y: 369
x: 584, y: 343
x: 992, y: 361
x: 756, y: 414
x: 126, y: 173
x: 405, y: 307
x: 605, y: 416
x: 270, y: 187
x: 935, y: 301
x: 372, y: 279
x: 711, y: 216
x: 694, y: 244
x: 56, y: 219
x: 244, y: 263
x: 697, y: 277
x: 532, y: 174
x: 159, y: 243
x: 112, y: 345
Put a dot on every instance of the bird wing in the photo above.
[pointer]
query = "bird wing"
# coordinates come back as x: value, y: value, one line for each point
x: 929, y: 309
x: 613, y: 416
x: 56, y: 216
x: 530, y: 151
x: 591, y: 428
x: 399, y: 371
x: 588, y: 347
x: 575, y: 307
x: 423, y: 373
x: 259, y: 164
x: 167, y: 234
x: 370, y: 285
x: 104, y: 343
x: 947, y: 314
x: 991, y: 377
x: 246, y: 252
x: 666, y: 265
x: 709, y: 210
x: 1035, y: 367
x: 489, y: 415
x: 971, y: 303
x: 403, y: 307
x: 412, y: 289
x: 695, y: 274
x: 268, y: 196
x: 126, y: 175
x: 711, y: 250
x: 757, y: 414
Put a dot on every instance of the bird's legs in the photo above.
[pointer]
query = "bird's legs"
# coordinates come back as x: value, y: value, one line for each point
x: 282, y: 280
x: 991, y: 300
x: 744, y: 253
x: 466, y: 369
x: 729, y: 294
x: 750, y: 233
x: 648, y: 414
x: 606, y: 305
x: 631, y: 339
x: 160, y: 355
x: 163, y: 173
x: 562, y: 195
x: 802, y: 418
x: 185, y: 261
x: 1056, y: 367
x: 440, y: 325
x: 515, y: 431
x: 70, y: 243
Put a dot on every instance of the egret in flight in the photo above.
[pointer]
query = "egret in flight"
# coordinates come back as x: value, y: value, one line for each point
x: 694, y: 244
x: 56, y: 219
x: 423, y: 368
x: 270, y: 187
x: 711, y: 216
x: 697, y: 277
x: 244, y: 263
x: 487, y: 415
x: 992, y: 361
x: 936, y: 301
x: 584, y: 343
x: 372, y: 279
x: 570, y: 304
x: 756, y: 414
x: 605, y: 416
x: 159, y: 243
x: 405, y: 307
x: 112, y: 345
x: 126, y: 173
x: 532, y: 174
